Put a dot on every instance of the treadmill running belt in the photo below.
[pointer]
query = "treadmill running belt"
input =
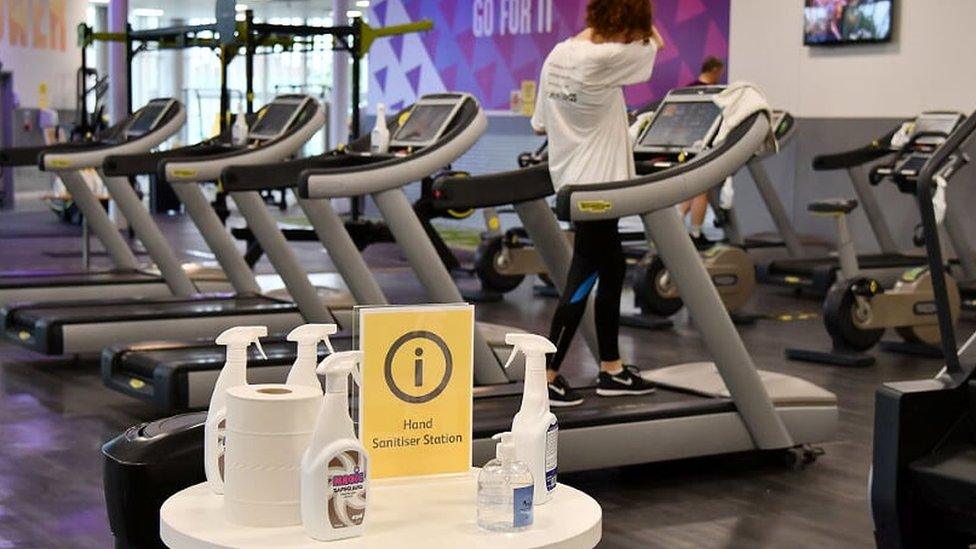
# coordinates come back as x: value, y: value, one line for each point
x: 45, y: 279
x: 494, y: 414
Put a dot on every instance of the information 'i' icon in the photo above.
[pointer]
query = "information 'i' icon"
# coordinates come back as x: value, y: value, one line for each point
x: 418, y: 368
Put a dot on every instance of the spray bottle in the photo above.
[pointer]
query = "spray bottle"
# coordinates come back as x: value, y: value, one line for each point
x: 233, y: 374
x: 335, y: 477
x: 535, y: 429
x: 239, y: 131
x: 379, y: 139
x: 307, y: 337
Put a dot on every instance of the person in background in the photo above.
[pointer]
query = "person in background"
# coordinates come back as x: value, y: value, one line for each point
x: 580, y: 107
x: 711, y: 74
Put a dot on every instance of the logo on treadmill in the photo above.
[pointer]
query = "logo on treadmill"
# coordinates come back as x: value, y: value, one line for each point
x: 594, y: 206
x: 56, y: 163
x: 182, y: 172
x: 418, y: 367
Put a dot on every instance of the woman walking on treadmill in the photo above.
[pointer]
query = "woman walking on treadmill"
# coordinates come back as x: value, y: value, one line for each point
x: 582, y: 111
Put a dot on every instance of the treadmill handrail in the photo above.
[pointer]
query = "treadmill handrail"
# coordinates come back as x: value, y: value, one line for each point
x: 399, y: 171
x: 285, y: 175
x: 492, y: 190
x: 613, y: 200
x: 93, y: 158
x: 876, y: 150
x: 28, y: 156
x: 196, y: 170
x: 124, y: 165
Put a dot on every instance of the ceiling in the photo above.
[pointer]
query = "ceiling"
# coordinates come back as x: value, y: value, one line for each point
x: 263, y: 9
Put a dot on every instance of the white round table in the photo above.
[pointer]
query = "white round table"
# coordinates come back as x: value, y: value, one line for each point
x: 404, y: 513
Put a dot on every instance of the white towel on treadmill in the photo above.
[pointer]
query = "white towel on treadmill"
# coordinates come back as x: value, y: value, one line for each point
x: 739, y: 101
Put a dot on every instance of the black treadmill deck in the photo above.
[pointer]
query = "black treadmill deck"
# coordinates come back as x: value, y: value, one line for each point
x: 157, y: 371
x: 41, y: 326
x: 12, y: 280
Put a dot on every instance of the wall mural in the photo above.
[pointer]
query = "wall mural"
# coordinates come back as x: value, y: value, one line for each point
x: 493, y: 48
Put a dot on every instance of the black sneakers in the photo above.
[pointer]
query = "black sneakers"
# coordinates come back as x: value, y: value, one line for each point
x: 624, y: 383
x: 562, y: 395
x: 702, y: 243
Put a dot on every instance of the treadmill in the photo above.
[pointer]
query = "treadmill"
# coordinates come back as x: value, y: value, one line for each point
x: 139, y: 132
x: 819, y: 273
x: 79, y: 327
x: 712, y: 408
x: 175, y: 376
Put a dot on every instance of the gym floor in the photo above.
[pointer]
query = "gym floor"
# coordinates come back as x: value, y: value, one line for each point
x: 55, y: 414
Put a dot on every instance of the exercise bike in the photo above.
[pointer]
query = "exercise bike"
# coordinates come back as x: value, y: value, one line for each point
x: 858, y: 309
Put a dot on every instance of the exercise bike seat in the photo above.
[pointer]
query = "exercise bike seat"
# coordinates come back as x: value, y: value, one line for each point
x: 833, y: 206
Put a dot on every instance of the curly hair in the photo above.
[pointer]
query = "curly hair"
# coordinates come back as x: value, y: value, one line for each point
x: 627, y: 20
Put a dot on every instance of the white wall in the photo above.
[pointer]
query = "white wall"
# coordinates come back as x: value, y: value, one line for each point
x: 40, y: 49
x: 927, y: 66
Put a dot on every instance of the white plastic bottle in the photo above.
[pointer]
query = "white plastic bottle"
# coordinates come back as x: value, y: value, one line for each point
x: 379, y: 139
x: 505, y: 490
x: 233, y: 374
x: 239, y: 131
x: 308, y: 337
x: 335, y: 476
x: 535, y: 430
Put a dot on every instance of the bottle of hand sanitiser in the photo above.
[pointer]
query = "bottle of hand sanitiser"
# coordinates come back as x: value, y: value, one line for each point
x: 379, y: 139
x: 505, y: 490
x: 534, y: 428
x: 307, y: 338
x: 233, y: 374
x: 335, y: 477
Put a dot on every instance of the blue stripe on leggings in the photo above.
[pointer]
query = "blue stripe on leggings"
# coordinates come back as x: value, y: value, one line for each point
x: 584, y: 289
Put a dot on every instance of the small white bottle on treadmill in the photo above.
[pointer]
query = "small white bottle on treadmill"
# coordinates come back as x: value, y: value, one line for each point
x: 535, y: 430
x: 233, y: 374
x: 379, y: 139
x: 239, y: 131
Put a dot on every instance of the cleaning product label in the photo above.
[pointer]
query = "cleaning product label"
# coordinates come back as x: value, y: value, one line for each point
x: 221, y: 445
x: 346, y: 494
x: 552, y: 443
x: 522, y: 501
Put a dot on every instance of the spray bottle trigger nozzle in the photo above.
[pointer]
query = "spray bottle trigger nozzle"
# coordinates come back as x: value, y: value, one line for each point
x: 511, y: 359
x: 257, y: 343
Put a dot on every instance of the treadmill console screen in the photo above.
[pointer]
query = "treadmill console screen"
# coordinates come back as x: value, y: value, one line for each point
x: 427, y: 122
x: 148, y: 117
x: 277, y: 117
x: 681, y: 126
x: 942, y: 123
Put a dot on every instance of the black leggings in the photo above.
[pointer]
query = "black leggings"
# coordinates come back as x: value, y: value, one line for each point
x: 597, y: 256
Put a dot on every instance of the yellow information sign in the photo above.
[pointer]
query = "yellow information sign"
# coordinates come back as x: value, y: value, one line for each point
x: 416, y: 396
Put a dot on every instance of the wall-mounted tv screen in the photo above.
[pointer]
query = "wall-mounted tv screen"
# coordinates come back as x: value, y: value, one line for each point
x: 834, y: 22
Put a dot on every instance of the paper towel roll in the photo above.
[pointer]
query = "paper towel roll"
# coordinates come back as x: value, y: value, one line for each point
x: 268, y: 429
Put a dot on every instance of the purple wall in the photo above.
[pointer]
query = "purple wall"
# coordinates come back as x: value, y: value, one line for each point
x: 488, y: 47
